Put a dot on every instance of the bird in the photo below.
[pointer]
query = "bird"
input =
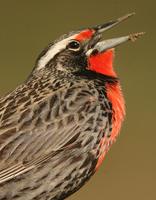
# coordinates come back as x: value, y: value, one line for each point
x: 57, y: 126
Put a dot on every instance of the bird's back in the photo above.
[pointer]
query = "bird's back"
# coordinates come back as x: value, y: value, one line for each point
x: 50, y: 139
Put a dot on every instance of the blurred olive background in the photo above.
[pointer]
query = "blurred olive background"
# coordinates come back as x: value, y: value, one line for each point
x: 26, y: 27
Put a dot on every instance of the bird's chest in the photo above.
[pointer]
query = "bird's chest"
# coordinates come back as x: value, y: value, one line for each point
x: 112, y: 106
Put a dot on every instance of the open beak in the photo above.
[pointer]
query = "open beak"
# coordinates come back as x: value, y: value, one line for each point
x: 111, y: 43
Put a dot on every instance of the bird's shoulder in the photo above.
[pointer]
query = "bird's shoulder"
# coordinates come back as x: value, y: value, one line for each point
x: 27, y: 96
x: 56, y: 119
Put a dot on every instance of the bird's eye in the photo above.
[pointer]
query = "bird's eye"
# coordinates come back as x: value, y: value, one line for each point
x: 74, y: 45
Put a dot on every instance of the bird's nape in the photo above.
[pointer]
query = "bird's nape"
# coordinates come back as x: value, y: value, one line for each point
x: 79, y: 49
x: 56, y: 127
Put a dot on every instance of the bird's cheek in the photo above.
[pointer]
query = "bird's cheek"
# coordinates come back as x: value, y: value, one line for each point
x: 103, y: 63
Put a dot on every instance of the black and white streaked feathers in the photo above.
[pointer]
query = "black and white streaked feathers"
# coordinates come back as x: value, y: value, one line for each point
x: 46, y: 127
x: 54, y: 48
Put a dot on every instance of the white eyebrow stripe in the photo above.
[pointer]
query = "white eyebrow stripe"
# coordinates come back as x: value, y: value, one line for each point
x: 52, y: 51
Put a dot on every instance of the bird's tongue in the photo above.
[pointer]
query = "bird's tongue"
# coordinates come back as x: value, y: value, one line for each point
x: 103, y: 63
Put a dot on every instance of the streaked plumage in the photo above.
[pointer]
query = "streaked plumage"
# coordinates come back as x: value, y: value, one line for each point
x: 57, y: 126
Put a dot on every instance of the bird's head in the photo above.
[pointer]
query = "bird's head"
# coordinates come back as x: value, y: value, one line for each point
x: 82, y: 51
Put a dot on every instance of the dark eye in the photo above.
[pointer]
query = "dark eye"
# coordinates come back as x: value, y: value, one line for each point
x: 74, y: 45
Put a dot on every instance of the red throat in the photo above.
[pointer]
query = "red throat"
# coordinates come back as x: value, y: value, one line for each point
x: 103, y: 63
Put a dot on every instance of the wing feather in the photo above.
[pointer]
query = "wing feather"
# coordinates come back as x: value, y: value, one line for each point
x: 48, y: 126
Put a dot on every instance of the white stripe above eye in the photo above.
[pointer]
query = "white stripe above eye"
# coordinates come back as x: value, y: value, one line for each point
x: 52, y: 51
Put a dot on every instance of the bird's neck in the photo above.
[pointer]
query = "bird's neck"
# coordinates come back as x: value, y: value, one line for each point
x: 114, y: 94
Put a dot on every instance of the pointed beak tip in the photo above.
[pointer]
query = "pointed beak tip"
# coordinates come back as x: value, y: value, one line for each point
x: 125, y: 17
x: 112, y: 43
x: 106, y: 26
